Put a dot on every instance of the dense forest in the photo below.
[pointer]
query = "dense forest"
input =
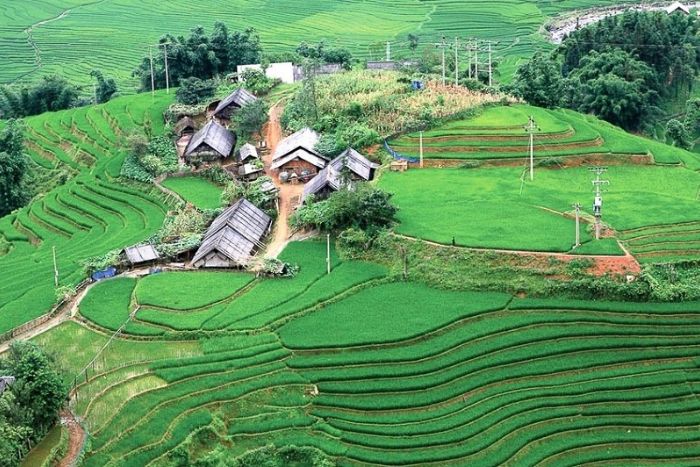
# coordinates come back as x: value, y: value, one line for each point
x: 621, y: 69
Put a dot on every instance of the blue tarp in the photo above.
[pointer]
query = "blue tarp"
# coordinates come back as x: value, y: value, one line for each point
x: 104, y: 274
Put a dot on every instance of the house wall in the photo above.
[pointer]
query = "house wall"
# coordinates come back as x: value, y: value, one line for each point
x: 297, y: 165
x: 203, y: 154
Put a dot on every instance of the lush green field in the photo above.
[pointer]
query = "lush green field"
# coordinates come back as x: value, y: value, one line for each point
x: 79, y: 35
x: 89, y: 215
x: 196, y: 190
x: 404, y: 373
x: 499, y: 133
x: 485, y: 207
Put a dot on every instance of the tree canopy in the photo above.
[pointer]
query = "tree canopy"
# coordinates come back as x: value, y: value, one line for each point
x: 49, y: 94
x: 199, y: 56
x: 13, y: 168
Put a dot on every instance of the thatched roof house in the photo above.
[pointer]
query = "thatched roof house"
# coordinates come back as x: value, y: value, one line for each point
x: 185, y: 126
x: 141, y: 254
x: 212, y: 142
x: 247, y: 153
x: 331, y: 179
x: 297, y: 154
x: 233, y: 237
x: 234, y: 101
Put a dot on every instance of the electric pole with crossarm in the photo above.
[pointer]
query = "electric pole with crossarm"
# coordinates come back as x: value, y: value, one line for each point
x: 442, y: 45
x: 531, y: 128
x: 577, y: 210
x: 598, y: 199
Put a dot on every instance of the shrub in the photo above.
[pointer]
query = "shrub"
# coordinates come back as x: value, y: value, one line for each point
x: 194, y: 90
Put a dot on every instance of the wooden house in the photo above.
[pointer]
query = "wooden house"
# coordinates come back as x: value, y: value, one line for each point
x: 233, y: 237
x: 231, y: 103
x: 141, y: 254
x: 247, y: 154
x: 349, y: 167
x: 296, y: 155
x: 185, y: 126
x: 213, y: 142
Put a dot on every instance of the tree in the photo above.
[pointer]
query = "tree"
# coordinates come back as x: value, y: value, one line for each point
x: 361, y: 206
x: 13, y: 168
x: 50, y: 94
x: 678, y: 134
x: 412, y: 43
x: 194, y: 91
x: 106, y: 87
x: 616, y: 87
x: 251, y: 118
x: 692, y: 116
x: 540, y: 82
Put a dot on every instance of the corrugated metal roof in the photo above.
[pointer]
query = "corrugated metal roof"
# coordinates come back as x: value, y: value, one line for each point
x: 330, y: 176
x: 301, y: 153
x: 356, y: 162
x: 5, y: 382
x: 247, y: 151
x: 141, y: 254
x: 239, y: 98
x: 215, y: 136
x: 247, y: 169
x: 235, y: 233
x: 305, y: 138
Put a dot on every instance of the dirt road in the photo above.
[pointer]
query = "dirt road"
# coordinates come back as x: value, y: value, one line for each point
x: 289, y: 194
x: 76, y: 439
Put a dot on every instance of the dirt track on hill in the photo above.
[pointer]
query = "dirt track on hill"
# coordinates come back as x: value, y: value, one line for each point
x: 76, y: 439
x: 289, y: 194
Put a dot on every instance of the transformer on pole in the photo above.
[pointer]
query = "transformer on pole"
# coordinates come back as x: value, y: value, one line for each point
x: 598, y: 198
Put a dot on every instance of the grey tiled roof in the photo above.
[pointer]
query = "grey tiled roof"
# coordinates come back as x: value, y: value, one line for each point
x: 239, y: 98
x: 330, y: 176
x: 247, y: 151
x: 215, y: 136
x: 305, y: 138
x: 141, y: 254
x: 235, y: 233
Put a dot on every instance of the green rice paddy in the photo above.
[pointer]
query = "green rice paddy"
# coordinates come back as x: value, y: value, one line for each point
x: 73, y: 37
x: 196, y: 190
x: 376, y: 372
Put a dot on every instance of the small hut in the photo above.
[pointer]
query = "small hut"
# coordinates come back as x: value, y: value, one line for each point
x: 6, y: 382
x: 349, y: 167
x: 296, y: 155
x: 250, y: 172
x: 247, y: 154
x: 212, y: 142
x: 141, y: 254
x: 231, y: 103
x: 185, y: 126
x: 398, y: 165
x: 233, y: 237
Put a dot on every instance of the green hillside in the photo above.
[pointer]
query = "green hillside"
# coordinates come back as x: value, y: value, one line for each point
x: 114, y: 36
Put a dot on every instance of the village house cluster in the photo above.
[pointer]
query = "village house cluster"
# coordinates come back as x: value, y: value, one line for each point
x: 239, y: 231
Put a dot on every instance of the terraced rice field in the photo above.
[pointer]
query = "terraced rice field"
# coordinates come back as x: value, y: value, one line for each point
x: 90, y: 215
x: 196, y: 190
x: 498, y: 133
x: 114, y: 36
x: 394, y: 373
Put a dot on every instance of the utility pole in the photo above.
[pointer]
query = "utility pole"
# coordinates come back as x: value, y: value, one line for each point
x: 490, y: 67
x: 598, y: 199
x: 153, y: 79
x: 443, y: 46
x: 577, y: 210
x: 456, y: 61
x: 328, y: 253
x: 531, y: 127
x: 421, y: 149
x: 55, y: 268
x: 468, y: 48
x: 388, y: 51
x: 167, y: 75
x: 476, y: 59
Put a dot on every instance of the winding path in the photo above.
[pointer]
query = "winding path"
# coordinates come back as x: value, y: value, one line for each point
x: 288, y: 194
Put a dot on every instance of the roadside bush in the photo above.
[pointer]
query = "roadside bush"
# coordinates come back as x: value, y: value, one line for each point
x: 149, y: 159
x: 193, y: 91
